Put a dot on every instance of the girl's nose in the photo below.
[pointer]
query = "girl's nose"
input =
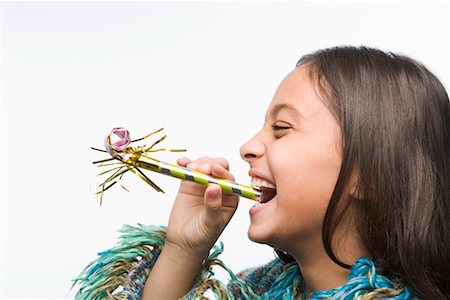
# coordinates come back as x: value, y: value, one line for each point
x: 252, y: 149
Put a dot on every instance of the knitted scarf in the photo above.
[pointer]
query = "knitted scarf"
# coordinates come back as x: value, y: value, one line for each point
x: 121, y: 272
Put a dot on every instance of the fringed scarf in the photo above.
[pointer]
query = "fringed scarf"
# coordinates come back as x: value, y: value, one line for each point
x: 121, y: 272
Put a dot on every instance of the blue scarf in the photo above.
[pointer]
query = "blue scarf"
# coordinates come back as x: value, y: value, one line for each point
x: 122, y: 271
x: 363, y: 278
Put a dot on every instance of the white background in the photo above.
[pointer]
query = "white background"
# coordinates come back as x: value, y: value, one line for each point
x: 205, y: 71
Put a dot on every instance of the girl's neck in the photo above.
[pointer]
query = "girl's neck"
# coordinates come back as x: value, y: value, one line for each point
x: 322, y: 274
x: 319, y: 271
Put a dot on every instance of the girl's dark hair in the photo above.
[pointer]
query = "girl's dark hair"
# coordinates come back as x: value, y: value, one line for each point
x: 395, y: 120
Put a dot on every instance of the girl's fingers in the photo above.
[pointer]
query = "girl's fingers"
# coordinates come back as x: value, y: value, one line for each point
x: 223, y: 162
x: 205, y: 168
x: 183, y: 161
x: 218, y: 167
x: 219, y: 171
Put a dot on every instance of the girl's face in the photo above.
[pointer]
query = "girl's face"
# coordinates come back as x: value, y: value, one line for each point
x: 298, y: 151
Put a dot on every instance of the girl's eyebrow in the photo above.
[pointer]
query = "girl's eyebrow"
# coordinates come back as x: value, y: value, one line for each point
x: 277, y: 108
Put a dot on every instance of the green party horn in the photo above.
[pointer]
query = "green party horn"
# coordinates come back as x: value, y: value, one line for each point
x: 128, y: 158
x: 184, y: 173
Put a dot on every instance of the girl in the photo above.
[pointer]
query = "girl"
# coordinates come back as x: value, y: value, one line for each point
x: 356, y: 148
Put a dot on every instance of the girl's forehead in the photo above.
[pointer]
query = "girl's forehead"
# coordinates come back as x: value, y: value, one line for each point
x: 296, y: 85
x: 275, y: 109
x: 296, y: 93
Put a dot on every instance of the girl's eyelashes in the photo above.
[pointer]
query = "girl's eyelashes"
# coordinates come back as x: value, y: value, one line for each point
x: 281, y: 126
x: 276, y: 127
x: 280, y: 129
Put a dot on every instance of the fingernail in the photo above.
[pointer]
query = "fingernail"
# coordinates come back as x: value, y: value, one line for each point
x: 215, y: 192
x: 206, y: 168
x: 192, y: 165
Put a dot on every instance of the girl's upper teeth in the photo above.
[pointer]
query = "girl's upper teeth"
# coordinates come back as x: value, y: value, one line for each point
x: 258, y: 182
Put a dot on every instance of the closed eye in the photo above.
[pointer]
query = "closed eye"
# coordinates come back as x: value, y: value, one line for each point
x: 279, y: 128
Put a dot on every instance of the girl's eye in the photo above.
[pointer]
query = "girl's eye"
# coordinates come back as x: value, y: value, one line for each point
x: 280, y: 129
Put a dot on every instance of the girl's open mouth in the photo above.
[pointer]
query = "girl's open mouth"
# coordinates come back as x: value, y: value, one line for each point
x: 267, y: 189
x: 267, y: 194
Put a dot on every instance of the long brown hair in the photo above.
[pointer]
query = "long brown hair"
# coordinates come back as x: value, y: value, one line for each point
x: 395, y: 120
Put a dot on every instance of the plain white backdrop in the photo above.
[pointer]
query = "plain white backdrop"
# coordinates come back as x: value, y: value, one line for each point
x: 205, y: 71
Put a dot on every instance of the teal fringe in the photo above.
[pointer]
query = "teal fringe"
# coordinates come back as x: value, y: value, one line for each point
x: 109, y: 273
x: 120, y: 273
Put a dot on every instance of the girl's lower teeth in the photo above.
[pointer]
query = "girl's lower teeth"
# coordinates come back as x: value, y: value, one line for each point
x: 258, y: 204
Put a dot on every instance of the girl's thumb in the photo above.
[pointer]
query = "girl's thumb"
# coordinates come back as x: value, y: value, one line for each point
x: 213, y: 204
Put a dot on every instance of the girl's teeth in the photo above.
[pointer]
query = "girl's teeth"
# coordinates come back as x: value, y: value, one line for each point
x: 256, y: 182
x: 258, y: 204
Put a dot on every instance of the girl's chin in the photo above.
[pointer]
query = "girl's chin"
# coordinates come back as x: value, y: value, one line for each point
x: 258, y: 234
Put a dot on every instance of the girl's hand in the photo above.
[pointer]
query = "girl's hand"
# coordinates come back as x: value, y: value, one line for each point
x: 198, y: 217
x: 200, y: 214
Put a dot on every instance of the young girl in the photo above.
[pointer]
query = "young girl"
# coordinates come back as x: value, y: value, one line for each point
x: 356, y: 147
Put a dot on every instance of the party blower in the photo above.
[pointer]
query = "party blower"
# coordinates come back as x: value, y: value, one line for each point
x: 125, y: 157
